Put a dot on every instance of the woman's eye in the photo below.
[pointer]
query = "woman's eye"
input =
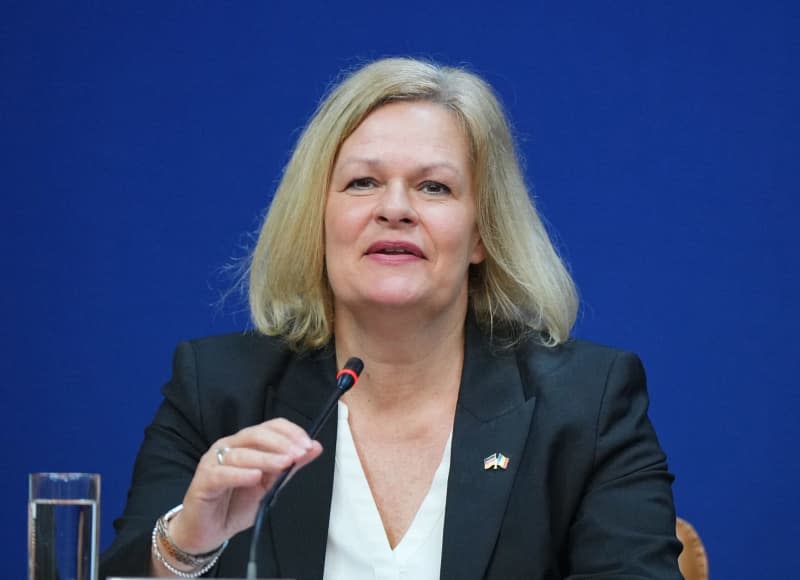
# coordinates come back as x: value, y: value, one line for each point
x: 361, y: 183
x: 435, y: 188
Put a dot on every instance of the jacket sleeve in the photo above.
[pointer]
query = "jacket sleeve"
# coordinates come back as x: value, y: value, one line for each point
x: 624, y: 527
x: 172, y: 447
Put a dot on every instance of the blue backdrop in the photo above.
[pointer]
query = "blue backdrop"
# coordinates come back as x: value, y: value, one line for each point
x: 141, y: 142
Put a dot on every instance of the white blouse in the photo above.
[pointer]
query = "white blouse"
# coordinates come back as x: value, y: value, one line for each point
x: 357, y: 543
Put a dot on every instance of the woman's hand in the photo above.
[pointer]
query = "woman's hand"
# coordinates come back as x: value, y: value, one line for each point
x: 223, y: 497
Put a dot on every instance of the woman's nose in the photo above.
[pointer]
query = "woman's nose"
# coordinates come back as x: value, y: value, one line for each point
x: 394, y: 205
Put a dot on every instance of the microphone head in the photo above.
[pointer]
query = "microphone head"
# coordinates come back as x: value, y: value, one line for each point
x: 355, y: 364
x: 348, y: 376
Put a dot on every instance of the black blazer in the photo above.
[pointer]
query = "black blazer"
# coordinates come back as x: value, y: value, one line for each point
x: 586, y: 493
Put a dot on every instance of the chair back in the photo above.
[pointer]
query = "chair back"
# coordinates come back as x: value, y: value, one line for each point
x: 693, y: 561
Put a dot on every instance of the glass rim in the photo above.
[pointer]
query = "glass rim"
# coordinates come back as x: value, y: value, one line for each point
x: 65, y: 475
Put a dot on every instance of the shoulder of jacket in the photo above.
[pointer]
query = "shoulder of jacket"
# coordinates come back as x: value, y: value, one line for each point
x: 238, y: 355
x: 575, y: 366
x: 244, y: 342
x: 573, y: 351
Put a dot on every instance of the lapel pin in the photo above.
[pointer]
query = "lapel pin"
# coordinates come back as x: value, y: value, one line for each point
x: 495, y: 461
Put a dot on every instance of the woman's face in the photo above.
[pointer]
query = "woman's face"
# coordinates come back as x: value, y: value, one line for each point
x: 400, y: 227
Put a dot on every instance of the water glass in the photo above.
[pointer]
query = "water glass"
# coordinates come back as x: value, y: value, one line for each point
x: 63, y: 520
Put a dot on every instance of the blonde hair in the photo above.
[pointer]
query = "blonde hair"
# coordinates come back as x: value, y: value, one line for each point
x: 521, y: 287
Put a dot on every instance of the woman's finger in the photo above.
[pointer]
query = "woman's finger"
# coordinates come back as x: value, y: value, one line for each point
x: 246, y: 458
x: 277, y: 435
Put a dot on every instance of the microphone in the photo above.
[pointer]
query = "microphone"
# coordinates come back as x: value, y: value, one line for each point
x: 346, y: 378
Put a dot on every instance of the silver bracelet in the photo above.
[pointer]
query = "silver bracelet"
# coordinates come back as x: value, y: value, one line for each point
x: 201, y: 562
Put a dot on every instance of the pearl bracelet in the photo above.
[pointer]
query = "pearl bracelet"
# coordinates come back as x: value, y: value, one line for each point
x: 201, y: 562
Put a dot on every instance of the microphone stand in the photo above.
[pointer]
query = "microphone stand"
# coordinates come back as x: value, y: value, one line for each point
x: 345, y: 379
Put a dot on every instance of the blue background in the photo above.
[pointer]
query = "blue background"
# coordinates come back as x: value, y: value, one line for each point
x: 141, y: 141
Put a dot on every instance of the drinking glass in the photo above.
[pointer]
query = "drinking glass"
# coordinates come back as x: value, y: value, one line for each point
x: 63, y: 519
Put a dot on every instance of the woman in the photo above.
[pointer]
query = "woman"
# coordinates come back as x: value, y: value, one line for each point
x: 480, y: 442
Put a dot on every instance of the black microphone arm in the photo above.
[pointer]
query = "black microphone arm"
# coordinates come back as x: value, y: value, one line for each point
x: 345, y: 379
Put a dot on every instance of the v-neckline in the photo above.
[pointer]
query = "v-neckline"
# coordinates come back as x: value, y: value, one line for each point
x: 429, y: 513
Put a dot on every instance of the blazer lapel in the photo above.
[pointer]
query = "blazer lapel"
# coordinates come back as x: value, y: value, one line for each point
x: 298, y: 522
x: 492, y: 416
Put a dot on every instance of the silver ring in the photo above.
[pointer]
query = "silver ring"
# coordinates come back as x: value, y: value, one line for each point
x: 221, y: 451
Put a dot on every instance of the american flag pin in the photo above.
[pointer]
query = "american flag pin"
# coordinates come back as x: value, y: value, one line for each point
x: 495, y: 461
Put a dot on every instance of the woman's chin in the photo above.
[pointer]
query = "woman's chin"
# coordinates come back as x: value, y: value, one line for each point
x: 405, y: 302
x: 389, y: 299
x: 395, y: 302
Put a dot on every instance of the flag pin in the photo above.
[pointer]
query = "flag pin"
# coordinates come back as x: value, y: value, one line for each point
x: 495, y: 461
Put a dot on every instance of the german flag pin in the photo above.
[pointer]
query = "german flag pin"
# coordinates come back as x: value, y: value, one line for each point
x: 495, y: 461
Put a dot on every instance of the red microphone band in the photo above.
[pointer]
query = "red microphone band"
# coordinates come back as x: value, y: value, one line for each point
x: 350, y: 372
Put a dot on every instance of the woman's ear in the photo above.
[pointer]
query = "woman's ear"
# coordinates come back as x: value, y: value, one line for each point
x: 478, y: 254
